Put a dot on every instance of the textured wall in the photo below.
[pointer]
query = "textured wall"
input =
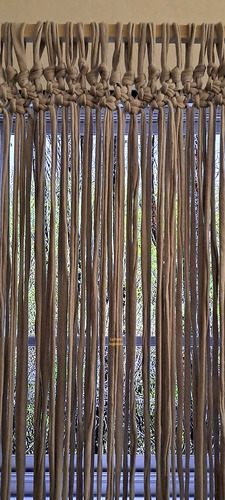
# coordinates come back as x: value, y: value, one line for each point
x: 113, y: 10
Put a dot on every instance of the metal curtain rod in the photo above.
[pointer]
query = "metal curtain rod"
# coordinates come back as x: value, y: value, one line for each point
x: 30, y: 31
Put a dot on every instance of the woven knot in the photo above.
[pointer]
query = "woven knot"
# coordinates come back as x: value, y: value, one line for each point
x: 179, y: 101
x: 165, y: 75
x: 212, y: 70
x: 82, y: 100
x: 217, y: 87
x: 11, y: 74
x: 60, y: 71
x: 187, y: 88
x: 199, y: 71
x: 117, y: 92
x: 141, y: 97
x: 59, y: 100
x: 92, y: 76
x: 148, y: 96
x: 49, y: 87
x: 2, y: 76
x: 100, y: 89
x: 71, y: 75
x: 221, y: 70
x: 128, y: 78
x: 49, y: 73
x: 103, y: 102
x: 160, y: 99
x: 219, y: 99
x: 140, y: 81
x: 22, y: 78
x: 197, y: 101
x: 36, y: 71
x: 36, y: 104
x: 168, y: 89
x: 132, y: 107
x: 176, y: 75
x: 3, y: 93
x: 83, y: 66
x: 111, y: 103
x: 104, y: 72
x: 187, y: 75
x: 17, y: 106
x: 93, y: 91
x: 115, y: 78
x: 209, y: 84
x: 153, y: 72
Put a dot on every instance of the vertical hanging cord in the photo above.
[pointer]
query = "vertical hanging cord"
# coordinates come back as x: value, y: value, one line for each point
x: 198, y: 444
x: 172, y: 295
x: 215, y: 321
x: 207, y: 218
x: 71, y: 315
x: 118, y: 299
x: 213, y: 377
x: 187, y: 317
x: 22, y: 335
x: 101, y: 375
x: 222, y: 303
x: 168, y: 302
x: 187, y: 77
x: 203, y: 320
x: 176, y: 78
x: 62, y: 310
x: 9, y: 331
x: 102, y: 295
x: 95, y: 302
x: 108, y: 138
x: 128, y: 80
x: 132, y: 199
x: 167, y: 292
x: 50, y: 301
x: 4, y: 243
x: 8, y: 308
x: 146, y: 184
x: 40, y: 288
x: 91, y: 337
x: 209, y: 382
x: 179, y: 320
x: 110, y: 258
x: 159, y: 298
x: 73, y: 293
x: 71, y: 398
x: 193, y: 290
x: 118, y: 235
x: 83, y: 236
x: 92, y: 302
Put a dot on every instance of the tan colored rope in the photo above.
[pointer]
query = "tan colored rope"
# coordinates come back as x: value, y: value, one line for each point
x: 187, y: 319
x: 51, y: 307
x: 117, y: 299
x: 82, y: 138
x: 158, y: 332
x: 9, y: 330
x: 146, y: 183
x: 179, y: 326
x: 221, y: 304
x: 22, y: 334
x: 40, y: 289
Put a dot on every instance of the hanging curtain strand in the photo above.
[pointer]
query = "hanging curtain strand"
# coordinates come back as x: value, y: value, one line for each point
x: 112, y: 249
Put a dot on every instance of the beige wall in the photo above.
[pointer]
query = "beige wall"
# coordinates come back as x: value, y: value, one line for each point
x: 110, y: 11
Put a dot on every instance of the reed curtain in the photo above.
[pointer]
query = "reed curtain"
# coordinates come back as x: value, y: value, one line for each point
x: 88, y: 221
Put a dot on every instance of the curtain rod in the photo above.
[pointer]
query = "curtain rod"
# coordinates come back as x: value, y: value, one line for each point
x: 30, y: 31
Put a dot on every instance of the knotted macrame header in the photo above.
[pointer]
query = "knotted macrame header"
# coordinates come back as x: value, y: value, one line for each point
x: 80, y: 70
